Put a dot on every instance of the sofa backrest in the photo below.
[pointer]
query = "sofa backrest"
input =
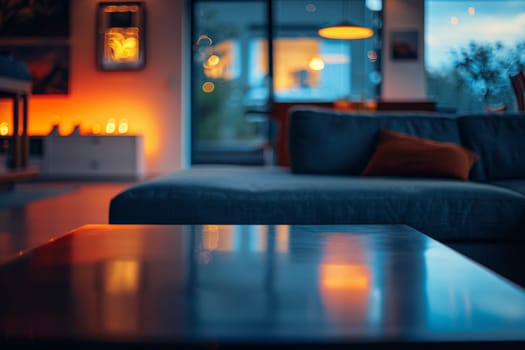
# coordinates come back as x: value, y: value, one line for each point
x: 326, y: 141
x: 499, y: 140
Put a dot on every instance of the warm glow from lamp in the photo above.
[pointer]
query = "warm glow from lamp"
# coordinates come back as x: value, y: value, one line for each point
x: 4, y: 129
x: 454, y: 20
x: 47, y: 111
x: 213, y: 60
x: 472, y: 11
x: 316, y: 64
x: 345, y: 32
x: 111, y: 126
x: 219, y: 64
x: 121, y: 276
x: 344, y: 276
x: 208, y: 87
x: 123, y: 126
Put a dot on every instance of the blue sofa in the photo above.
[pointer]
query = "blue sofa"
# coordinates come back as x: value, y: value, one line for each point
x: 328, y: 151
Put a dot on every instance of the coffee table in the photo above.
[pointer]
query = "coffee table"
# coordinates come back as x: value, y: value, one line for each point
x: 251, y: 286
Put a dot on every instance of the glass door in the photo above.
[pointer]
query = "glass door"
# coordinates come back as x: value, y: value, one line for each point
x: 238, y: 78
x: 230, y: 82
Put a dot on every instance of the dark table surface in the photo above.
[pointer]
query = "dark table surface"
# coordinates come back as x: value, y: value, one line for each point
x: 219, y: 286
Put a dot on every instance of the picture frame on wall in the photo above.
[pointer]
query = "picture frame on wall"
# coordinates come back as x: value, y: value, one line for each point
x: 36, y: 33
x: 48, y: 63
x: 34, y: 19
x: 405, y: 45
x: 121, y: 36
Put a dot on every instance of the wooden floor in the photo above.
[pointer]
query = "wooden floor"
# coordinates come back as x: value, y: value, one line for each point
x: 33, y: 224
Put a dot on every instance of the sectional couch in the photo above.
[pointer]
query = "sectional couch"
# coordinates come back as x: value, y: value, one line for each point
x: 328, y: 151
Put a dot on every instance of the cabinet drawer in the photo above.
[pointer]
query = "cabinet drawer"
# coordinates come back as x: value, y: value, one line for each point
x: 78, y: 156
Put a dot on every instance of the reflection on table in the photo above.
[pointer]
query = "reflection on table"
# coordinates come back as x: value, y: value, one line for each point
x: 252, y: 283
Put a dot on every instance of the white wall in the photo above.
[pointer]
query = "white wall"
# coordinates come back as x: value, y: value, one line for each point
x: 153, y: 94
x: 403, y: 80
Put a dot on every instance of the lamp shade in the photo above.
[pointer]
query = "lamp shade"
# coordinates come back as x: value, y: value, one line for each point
x: 346, y: 31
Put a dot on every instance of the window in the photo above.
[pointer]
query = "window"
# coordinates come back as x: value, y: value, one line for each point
x: 471, y: 49
x: 236, y: 74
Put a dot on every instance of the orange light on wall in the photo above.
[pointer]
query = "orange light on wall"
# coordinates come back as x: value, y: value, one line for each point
x: 96, y: 129
x: 121, y: 35
x: 4, y: 129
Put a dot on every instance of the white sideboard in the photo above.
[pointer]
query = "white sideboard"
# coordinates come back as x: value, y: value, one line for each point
x: 92, y: 156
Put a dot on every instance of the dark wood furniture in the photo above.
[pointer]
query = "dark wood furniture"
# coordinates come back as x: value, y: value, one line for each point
x: 17, y: 166
x: 406, y: 105
x: 227, y: 286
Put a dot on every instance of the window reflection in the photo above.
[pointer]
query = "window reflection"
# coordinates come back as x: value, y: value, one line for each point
x: 121, y: 276
x: 345, y: 279
x: 245, y: 238
x: 282, y: 240
x: 121, y: 299
x: 344, y: 276
x: 218, y: 237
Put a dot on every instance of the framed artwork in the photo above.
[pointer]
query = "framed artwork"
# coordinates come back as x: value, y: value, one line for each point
x: 37, y: 33
x: 48, y: 64
x: 121, y: 35
x: 405, y: 45
x: 34, y: 19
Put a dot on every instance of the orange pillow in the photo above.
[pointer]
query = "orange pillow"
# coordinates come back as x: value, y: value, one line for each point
x: 399, y: 154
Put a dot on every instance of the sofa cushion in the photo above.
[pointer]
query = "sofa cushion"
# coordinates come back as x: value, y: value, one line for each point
x: 325, y: 141
x: 400, y: 154
x: 499, y: 141
x: 441, y: 208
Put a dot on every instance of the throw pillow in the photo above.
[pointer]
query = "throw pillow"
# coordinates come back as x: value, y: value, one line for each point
x: 399, y: 154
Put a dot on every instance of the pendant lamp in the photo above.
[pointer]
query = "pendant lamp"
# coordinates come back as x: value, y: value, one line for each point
x: 345, y: 30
